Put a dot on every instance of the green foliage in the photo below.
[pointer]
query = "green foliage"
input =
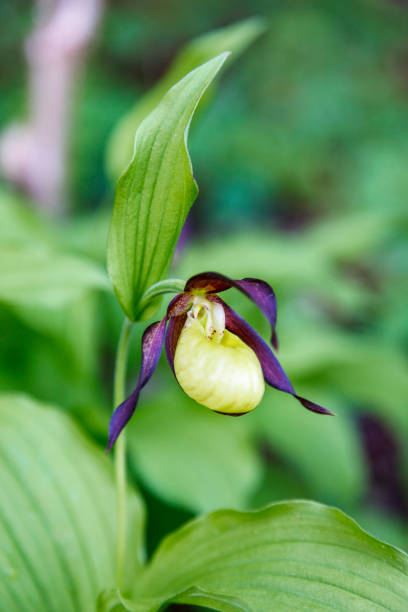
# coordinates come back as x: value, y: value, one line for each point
x: 156, y: 192
x: 58, y: 512
x: 222, y: 468
x: 290, y: 556
x: 309, y: 135
x: 20, y: 223
x: 234, y: 38
x: 49, y: 312
x: 37, y: 276
x: 302, y: 440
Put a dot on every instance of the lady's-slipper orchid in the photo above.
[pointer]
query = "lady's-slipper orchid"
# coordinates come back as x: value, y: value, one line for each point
x: 216, y: 356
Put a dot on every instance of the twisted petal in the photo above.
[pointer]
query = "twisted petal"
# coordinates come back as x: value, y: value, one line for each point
x: 152, y: 344
x: 257, y: 290
x: 272, y: 370
x: 179, y: 305
x: 173, y: 332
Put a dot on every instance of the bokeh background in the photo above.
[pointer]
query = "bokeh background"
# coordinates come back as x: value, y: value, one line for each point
x: 300, y: 153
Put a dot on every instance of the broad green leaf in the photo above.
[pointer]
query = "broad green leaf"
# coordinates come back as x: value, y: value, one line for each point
x: 156, y: 192
x: 37, y: 276
x: 290, y: 556
x: 57, y: 512
x: 192, y: 457
x: 234, y: 38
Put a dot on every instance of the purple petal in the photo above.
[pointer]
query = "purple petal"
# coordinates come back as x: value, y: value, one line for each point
x: 152, y: 344
x: 179, y: 305
x: 273, y: 372
x: 264, y: 297
x: 312, y: 406
x: 173, y: 332
x: 257, y: 290
x: 209, y: 282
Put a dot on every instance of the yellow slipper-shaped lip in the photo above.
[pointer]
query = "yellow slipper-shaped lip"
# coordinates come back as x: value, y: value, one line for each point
x: 224, y: 376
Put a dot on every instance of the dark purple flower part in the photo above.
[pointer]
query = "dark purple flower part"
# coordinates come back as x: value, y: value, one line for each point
x: 273, y: 372
x: 257, y: 290
x: 174, y: 329
x: 200, y: 295
x: 152, y: 344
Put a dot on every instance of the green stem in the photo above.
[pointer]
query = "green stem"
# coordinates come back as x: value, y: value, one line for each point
x: 169, y: 285
x: 120, y: 451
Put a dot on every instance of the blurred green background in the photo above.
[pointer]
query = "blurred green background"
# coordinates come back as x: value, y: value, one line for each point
x: 300, y: 154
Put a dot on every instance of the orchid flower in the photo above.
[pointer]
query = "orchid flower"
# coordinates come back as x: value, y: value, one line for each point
x: 216, y: 356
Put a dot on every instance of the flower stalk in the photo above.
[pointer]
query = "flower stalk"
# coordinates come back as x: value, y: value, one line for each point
x: 120, y: 451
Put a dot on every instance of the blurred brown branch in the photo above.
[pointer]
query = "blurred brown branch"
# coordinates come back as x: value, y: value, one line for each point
x: 33, y: 154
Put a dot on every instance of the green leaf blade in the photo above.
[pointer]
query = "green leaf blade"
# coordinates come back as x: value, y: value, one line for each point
x: 289, y: 556
x: 57, y: 521
x: 156, y: 191
x: 234, y: 38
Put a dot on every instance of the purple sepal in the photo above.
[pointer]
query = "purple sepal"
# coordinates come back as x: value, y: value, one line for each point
x: 313, y: 407
x: 257, y: 290
x: 173, y: 332
x: 264, y: 297
x: 152, y: 344
x: 273, y: 372
x: 179, y: 305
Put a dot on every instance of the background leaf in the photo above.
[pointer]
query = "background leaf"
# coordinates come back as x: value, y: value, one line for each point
x: 290, y: 556
x: 302, y: 440
x: 58, y: 512
x: 37, y: 276
x: 234, y: 38
x: 191, y: 457
x: 156, y: 192
x: 20, y: 222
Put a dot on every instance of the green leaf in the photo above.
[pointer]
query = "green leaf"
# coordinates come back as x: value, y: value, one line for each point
x: 222, y: 468
x: 57, y: 512
x: 194, y: 596
x: 290, y: 556
x: 20, y: 222
x: 37, y: 276
x: 156, y: 192
x: 234, y: 38
x: 303, y: 439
